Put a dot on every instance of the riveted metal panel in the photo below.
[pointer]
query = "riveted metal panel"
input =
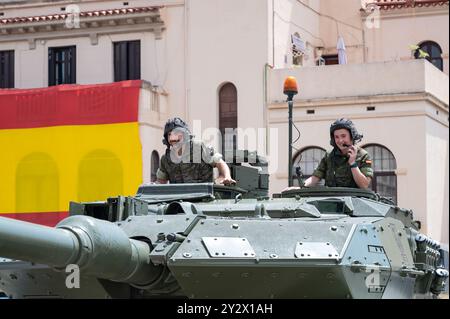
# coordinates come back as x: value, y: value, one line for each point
x: 315, y: 250
x: 228, y: 247
x: 365, y: 265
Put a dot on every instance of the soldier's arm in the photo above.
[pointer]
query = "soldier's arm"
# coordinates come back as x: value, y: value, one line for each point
x: 360, y: 179
x: 315, y: 178
x: 312, y: 181
x: 362, y: 173
x: 224, y: 174
x: 215, y: 160
x: 319, y: 173
x: 161, y: 181
x: 161, y: 174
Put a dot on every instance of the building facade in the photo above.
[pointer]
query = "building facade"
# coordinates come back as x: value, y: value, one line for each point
x: 220, y: 64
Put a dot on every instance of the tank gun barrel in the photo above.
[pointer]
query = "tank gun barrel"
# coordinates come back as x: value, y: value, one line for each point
x: 98, y: 247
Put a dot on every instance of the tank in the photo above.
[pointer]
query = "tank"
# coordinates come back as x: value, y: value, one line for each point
x: 211, y: 241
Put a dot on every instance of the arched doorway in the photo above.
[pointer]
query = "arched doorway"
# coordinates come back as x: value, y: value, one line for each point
x: 228, y: 119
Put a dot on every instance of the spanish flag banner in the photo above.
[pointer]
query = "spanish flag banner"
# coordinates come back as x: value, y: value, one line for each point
x: 67, y: 143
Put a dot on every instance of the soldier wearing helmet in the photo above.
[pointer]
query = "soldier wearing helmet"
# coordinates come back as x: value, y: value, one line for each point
x: 347, y: 165
x: 187, y: 160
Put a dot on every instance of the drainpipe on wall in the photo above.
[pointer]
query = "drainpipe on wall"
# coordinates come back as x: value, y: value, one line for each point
x: 363, y: 32
x: 186, y: 61
x: 265, y: 86
x: 266, y: 104
x: 273, y: 32
x: 364, y: 44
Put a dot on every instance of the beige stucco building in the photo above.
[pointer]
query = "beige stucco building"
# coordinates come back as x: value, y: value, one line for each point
x: 218, y: 61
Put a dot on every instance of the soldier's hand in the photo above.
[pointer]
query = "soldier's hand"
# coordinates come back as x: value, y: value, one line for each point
x: 352, y: 150
x: 290, y: 188
x: 225, y: 181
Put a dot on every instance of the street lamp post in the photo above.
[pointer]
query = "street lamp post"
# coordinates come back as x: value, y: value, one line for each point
x: 290, y: 89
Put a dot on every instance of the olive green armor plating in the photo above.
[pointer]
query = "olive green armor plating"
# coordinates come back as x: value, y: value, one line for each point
x: 209, y: 241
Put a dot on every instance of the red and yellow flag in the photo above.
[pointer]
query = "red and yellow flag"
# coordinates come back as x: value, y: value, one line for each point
x: 67, y: 143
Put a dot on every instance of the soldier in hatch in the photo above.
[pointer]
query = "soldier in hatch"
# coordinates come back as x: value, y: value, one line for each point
x: 187, y: 160
x: 347, y: 165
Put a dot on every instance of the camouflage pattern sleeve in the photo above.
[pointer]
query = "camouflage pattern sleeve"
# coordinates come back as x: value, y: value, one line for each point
x: 161, y: 173
x: 209, y: 156
x: 321, y: 170
x: 365, y: 165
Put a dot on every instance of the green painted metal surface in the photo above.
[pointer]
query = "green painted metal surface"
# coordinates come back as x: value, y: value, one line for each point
x: 207, y: 241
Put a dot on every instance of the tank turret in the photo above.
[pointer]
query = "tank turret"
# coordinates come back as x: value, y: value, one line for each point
x: 211, y: 242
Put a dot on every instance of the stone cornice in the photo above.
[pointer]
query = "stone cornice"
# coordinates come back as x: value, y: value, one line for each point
x: 373, y: 99
x: 87, y: 26
x: 405, y: 12
x: 27, y: 4
x: 356, y: 116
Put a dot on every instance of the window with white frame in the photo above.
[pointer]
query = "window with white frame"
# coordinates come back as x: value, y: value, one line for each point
x: 307, y: 160
x: 384, y: 181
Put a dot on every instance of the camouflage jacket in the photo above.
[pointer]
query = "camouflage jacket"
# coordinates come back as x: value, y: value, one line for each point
x: 335, y: 169
x: 195, y: 165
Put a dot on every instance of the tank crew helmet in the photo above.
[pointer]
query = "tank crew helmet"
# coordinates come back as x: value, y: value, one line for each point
x: 347, y: 124
x: 172, y: 124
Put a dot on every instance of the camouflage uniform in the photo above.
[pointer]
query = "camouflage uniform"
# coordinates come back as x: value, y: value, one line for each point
x: 335, y: 169
x: 195, y: 166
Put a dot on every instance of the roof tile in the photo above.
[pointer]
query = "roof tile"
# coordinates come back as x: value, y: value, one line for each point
x: 97, y: 13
